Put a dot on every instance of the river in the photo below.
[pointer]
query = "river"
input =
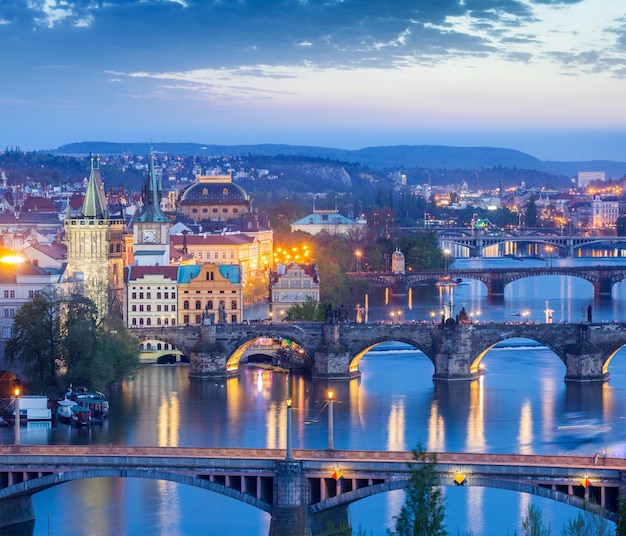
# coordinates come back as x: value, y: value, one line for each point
x: 514, y: 408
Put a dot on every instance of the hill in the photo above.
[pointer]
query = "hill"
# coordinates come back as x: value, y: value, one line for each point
x: 389, y: 157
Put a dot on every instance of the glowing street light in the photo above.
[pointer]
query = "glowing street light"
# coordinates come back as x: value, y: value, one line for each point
x: 330, y: 421
x: 17, y: 416
x: 358, y: 253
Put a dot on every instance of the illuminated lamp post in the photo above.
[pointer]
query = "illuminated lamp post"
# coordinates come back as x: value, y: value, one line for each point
x: 330, y: 421
x: 289, y: 454
x: 358, y: 255
x: 17, y: 416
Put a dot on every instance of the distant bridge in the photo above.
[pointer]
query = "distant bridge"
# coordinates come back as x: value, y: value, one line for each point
x: 562, y: 246
x: 603, y: 278
x: 310, y: 491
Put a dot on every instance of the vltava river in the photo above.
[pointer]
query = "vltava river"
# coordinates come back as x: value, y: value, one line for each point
x: 514, y: 408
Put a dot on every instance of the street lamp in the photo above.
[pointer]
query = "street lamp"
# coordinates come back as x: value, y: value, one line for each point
x: 432, y: 316
x: 392, y: 315
x: 330, y: 421
x: 17, y: 416
x: 289, y: 455
x: 358, y: 254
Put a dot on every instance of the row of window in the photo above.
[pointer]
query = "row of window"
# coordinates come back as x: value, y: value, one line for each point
x: 148, y: 308
x: 148, y: 295
x: 134, y: 322
x: 216, y: 255
x: 9, y: 294
x: 214, y: 210
x: 209, y: 305
x: 9, y: 313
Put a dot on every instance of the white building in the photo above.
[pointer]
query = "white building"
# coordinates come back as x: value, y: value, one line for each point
x: 330, y: 221
x: 586, y: 177
x: 292, y: 284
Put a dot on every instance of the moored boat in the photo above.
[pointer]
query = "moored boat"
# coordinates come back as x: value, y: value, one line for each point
x: 64, y: 410
x: 95, y: 401
x: 80, y: 416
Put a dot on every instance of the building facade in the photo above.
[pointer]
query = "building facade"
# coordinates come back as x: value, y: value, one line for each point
x: 151, y: 296
x: 290, y: 285
x: 95, y: 248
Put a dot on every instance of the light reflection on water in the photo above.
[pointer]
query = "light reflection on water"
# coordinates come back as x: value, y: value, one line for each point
x: 514, y: 408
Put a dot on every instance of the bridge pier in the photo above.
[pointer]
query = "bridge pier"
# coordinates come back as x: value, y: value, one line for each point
x: 332, y: 360
x: 289, y: 511
x: 208, y: 358
x: 584, y: 361
x: 453, y: 352
x: 16, y: 511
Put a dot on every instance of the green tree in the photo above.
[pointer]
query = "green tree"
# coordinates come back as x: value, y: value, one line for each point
x: 309, y: 310
x: 532, y: 524
x: 588, y: 524
x: 35, y: 342
x: 621, y: 517
x: 423, y: 511
x: 620, y: 226
x: 531, y: 212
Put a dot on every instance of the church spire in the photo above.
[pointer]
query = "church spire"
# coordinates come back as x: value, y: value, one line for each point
x: 151, y: 195
x: 95, y: 203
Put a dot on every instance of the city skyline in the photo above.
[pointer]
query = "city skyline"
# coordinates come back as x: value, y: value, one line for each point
x: 545, y: 77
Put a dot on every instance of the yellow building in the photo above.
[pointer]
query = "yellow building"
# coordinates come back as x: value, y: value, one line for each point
x: 209, y: 290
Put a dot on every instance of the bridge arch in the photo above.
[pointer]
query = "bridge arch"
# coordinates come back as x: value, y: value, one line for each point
x: 350, y: 497
x: 475, y: 365
x: 243, y: 344
x: 39, y: 484
x: 371, y: 345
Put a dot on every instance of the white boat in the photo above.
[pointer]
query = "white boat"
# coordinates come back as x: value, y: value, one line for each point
x: 64, y: 410
x: 580, y: 426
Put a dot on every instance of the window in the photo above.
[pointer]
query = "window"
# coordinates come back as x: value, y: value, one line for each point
x: 232, y: 254
x: 166, y: 321
x: 186, y: 319
x: 134, y: 308
x: 134, y: 322
x: 209, y: 304
x: 224, y: 255
x: 173, y: 321
x: 148, y: 321
x: 235, y: 210
x: 6, y: 293
x: 158, y: 295
x: 166, y: 307
x: 173, y: 295
x: 134, y: 295
x: 210, y: 276
x: 186, y: 304
x: 233, y: 304
x: 198, y: 304
x: 167, y: 296
x: 158, y: 321
x: 141, y: 321
x: 233, y: 319
x: 141, y: 295
x: 214, y: 211
x: 148, y: 295
x: 148, y: 307
x: 198, y: 318
x: 158, y: 307
x: 173, y: 308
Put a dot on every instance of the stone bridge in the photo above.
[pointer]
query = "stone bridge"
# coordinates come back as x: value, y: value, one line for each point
x: 306, y: 492
x: 455, y: 350
x: 496, y: 279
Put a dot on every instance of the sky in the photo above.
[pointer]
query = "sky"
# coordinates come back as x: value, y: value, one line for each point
x: 547, y: 77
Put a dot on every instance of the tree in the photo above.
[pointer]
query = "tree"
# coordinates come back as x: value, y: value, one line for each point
x: 309, y: 310
x: 36, y: 340
x: 620, y: 226
x: 588, y: 524
x: 423, y: 511
x: 621, y: 517
x: 531, y: 212
x: 532, y: 524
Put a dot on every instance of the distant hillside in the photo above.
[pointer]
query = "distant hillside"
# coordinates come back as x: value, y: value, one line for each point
x: 392, y: 157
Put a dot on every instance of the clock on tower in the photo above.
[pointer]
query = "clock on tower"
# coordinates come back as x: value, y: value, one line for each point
x: 149, y: 236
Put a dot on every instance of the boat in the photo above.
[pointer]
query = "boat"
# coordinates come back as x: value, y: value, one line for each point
x: 64, y: 410
x: 445, y: 281
x: 93, y: 400
x: 80, y: 416
x: 581, y: 426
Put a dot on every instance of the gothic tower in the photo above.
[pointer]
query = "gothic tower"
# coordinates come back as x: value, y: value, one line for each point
x: 95, y: 247
x: 151, y: 229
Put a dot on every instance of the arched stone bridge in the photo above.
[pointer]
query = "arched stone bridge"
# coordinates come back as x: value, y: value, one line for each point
x: 455, y: 350
x: 302, y: 492
x: 603, y: 278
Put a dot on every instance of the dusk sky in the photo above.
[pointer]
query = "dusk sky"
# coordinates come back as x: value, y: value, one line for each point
x: 546, y: 77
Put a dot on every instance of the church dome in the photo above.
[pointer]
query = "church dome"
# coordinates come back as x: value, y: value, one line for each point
x: 214, y: 193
